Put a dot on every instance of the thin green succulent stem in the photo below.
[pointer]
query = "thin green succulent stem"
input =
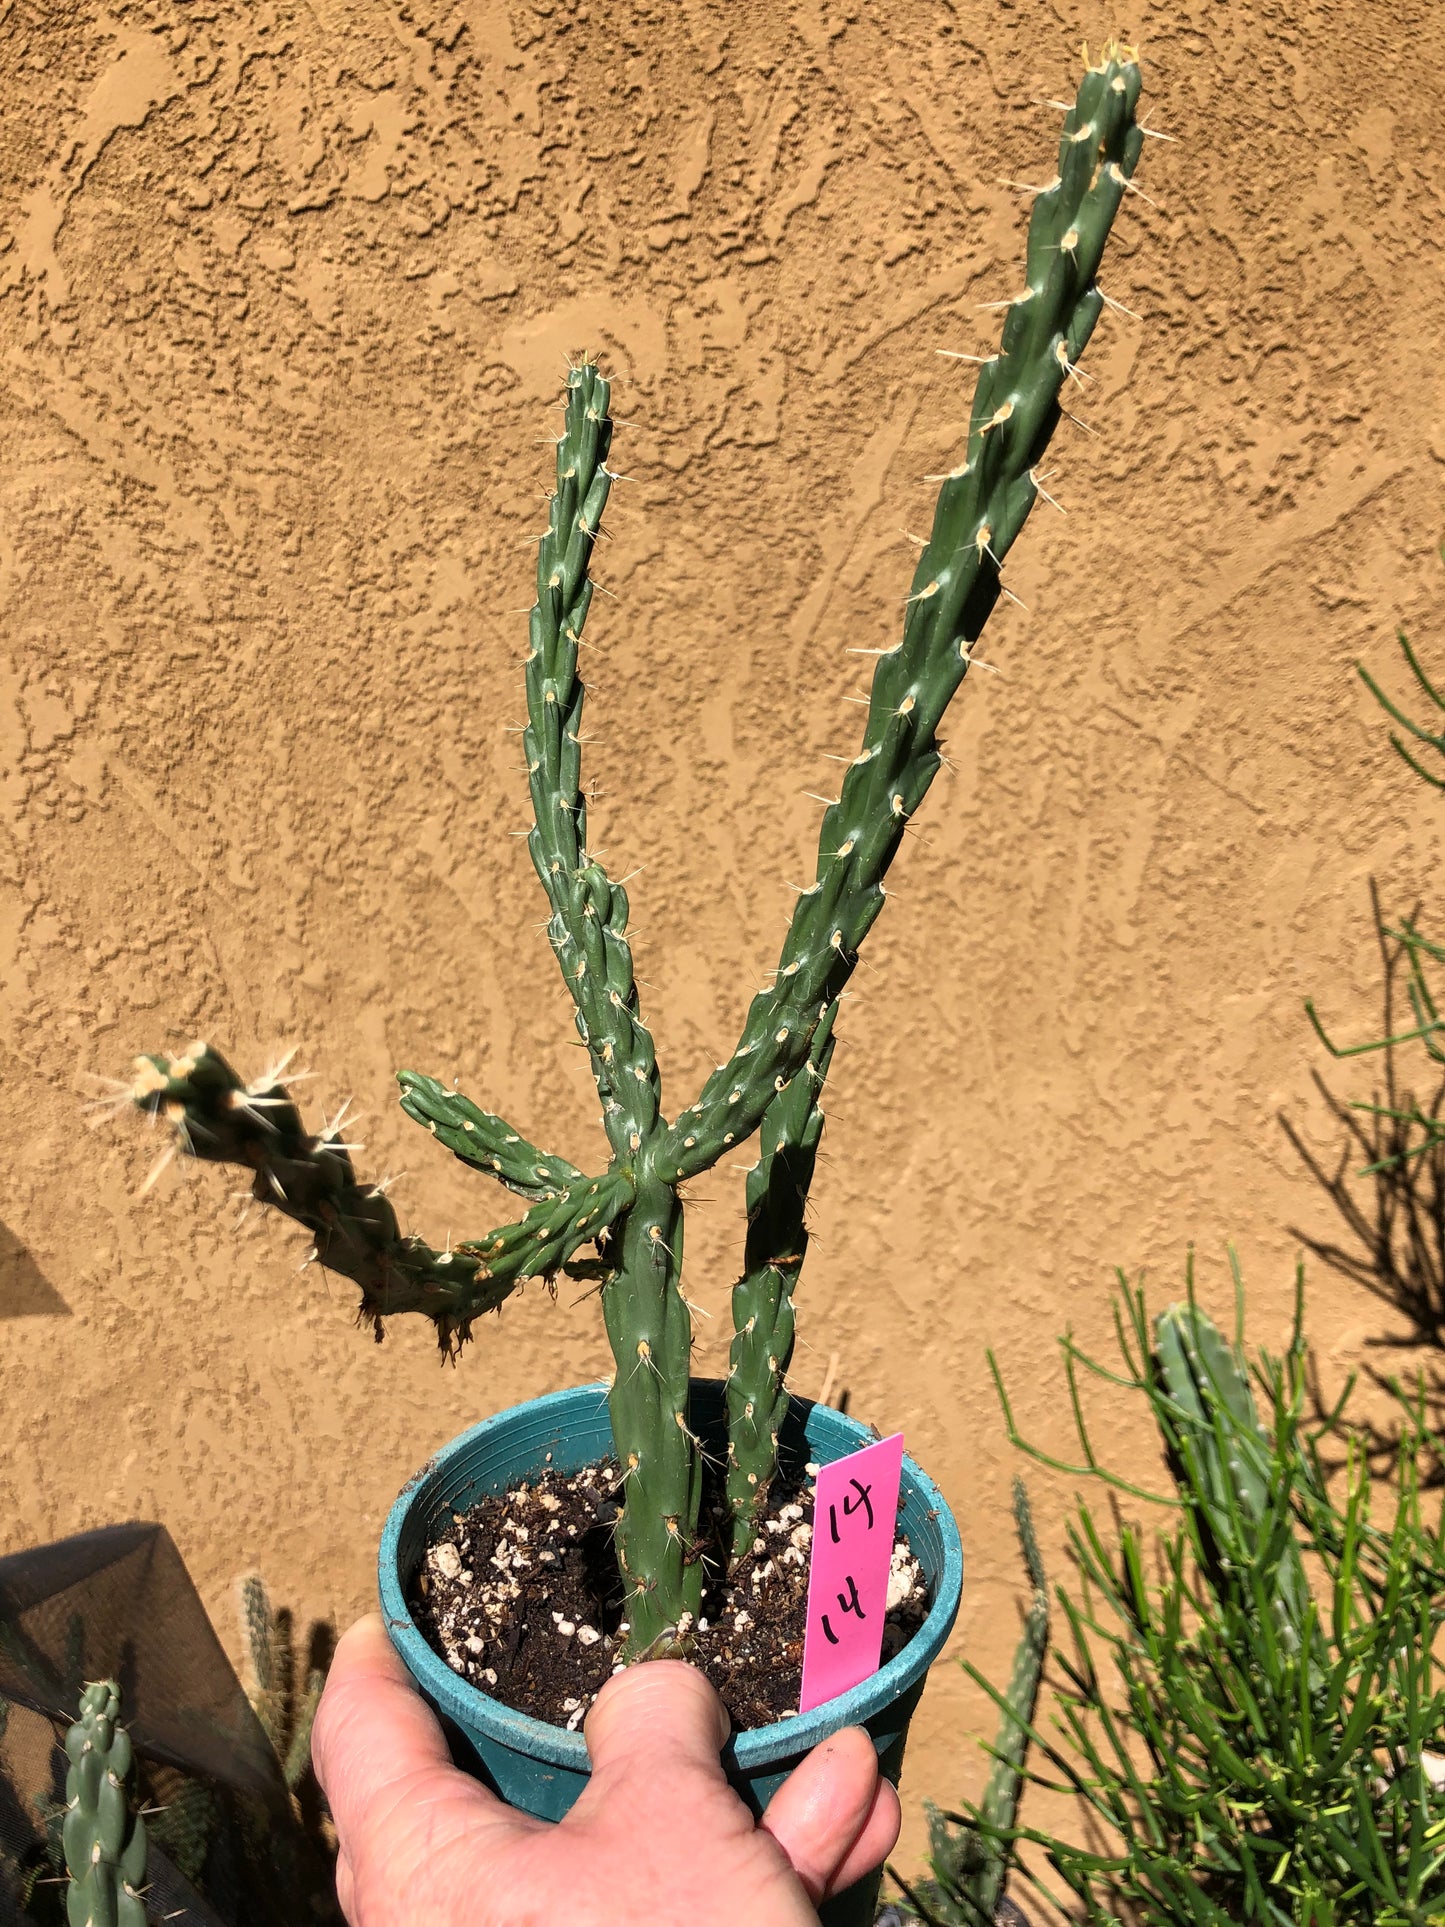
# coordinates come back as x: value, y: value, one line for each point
x: 588, y: 925
x: 105, y: 1845
x: 981, y: 509
x: 762, y: 1299
x: 1279, y: 1775
x: 484, y: 1140
x: 1209, y: 1417
x: 969, y: 1852
x: 650, y: 1330
x: 311, y: 1178
x: 1001, y: 1792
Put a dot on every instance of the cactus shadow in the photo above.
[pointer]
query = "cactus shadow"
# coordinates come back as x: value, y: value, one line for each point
x: 1385, y: 1179
x: 25, y: 1291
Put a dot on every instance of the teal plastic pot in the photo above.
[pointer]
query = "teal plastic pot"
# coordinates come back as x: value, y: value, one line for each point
x: 540, y: 1768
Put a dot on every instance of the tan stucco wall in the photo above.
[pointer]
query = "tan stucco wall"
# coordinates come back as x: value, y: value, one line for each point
x: 288, y: 295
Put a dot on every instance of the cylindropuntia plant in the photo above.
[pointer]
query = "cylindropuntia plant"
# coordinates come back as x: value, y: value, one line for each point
x: 105, y: 1845
x: 969, y: 1860
x: 631, y: 1214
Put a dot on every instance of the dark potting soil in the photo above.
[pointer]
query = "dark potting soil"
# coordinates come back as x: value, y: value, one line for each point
x: 522, y: 1598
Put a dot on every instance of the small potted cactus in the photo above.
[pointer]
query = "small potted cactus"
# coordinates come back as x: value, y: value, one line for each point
x: 622, y: 1226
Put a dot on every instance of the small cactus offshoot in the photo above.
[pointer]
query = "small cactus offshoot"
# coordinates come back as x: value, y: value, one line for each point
x: 968, y: 1851
x: 105, y: 1845
x: 629, y: 1218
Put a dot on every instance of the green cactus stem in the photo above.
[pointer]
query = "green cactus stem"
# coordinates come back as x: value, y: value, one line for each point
x: 981, y: 509
x: 632, y: 1214
x: 968, y: 1852
x: 762, y: 1299
x: 650, y: 1331
x: 284, y: 1705
x: 1221, y: 1459
x: 485, y: 1141
x: 588, y: 925
x: 311, y: 1179
x: 105, y: 1847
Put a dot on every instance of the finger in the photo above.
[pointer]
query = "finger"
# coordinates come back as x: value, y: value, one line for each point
x: 658, y: 1719
x: 374, y: 1735
x: 345, y: 1884
x: 874, y: 1844
x: 821, y: 1811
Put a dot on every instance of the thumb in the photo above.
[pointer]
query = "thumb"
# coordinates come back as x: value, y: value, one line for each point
x: 658, y: 1719
x: 375, y: 1736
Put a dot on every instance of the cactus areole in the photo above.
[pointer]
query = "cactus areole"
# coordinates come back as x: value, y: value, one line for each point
x: 629, y: 1216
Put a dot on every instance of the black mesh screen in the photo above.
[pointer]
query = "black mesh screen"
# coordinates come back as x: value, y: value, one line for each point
x: 228, y: 1845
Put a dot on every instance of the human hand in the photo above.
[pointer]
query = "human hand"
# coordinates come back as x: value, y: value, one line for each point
x: 656, y: 1835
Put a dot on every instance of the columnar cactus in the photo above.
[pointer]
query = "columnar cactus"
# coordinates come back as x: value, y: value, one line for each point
x: 969, y: 1858
x: 630, y: 1214
x: 1222, y: 1460
x: 105, y: 1846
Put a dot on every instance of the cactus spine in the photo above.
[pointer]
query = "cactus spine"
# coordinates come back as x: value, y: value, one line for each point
x: 631, y: 1213
x: 105, y: 1848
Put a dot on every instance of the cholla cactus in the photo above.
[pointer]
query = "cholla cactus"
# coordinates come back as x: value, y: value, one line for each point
x: 283, y: 1703
x: 630, y: 1215
x: 968, y: 1851
x: 105, y: 1847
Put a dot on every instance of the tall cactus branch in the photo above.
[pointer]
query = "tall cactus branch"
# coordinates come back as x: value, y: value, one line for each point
x: 981, y: 508
x: 588, y: 925
x: 762, y: 1299
x: 311, y: 1179
x: 650, y: 1330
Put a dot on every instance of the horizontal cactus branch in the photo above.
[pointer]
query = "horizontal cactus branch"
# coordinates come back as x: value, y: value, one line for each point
x: 479, y: 1138
x: 632, y: 1214
x: 311, y: 1179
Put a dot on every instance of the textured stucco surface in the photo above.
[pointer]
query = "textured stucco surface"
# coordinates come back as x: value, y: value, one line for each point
x: 287, y: 295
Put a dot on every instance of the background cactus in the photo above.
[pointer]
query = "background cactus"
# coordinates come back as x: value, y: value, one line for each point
x: 1221, y: 1458
x: 105, y: 1846
x: 968, y: 1851
x: 1245, y: 1752
x: 631, y: 1214
x: 283, y: 1694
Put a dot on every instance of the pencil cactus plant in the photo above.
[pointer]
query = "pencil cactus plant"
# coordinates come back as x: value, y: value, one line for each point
x: 630, y: 1215
x: 1251, y: 1708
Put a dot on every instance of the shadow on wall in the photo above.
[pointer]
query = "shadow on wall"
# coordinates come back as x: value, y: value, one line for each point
x: 25, y: 1291
x: 1386, y: 1181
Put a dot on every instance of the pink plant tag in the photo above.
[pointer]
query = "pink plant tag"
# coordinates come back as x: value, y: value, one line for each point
x: 854, y: 1525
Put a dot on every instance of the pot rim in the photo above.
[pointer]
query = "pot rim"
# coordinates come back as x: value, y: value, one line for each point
x: 754, y: 1750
